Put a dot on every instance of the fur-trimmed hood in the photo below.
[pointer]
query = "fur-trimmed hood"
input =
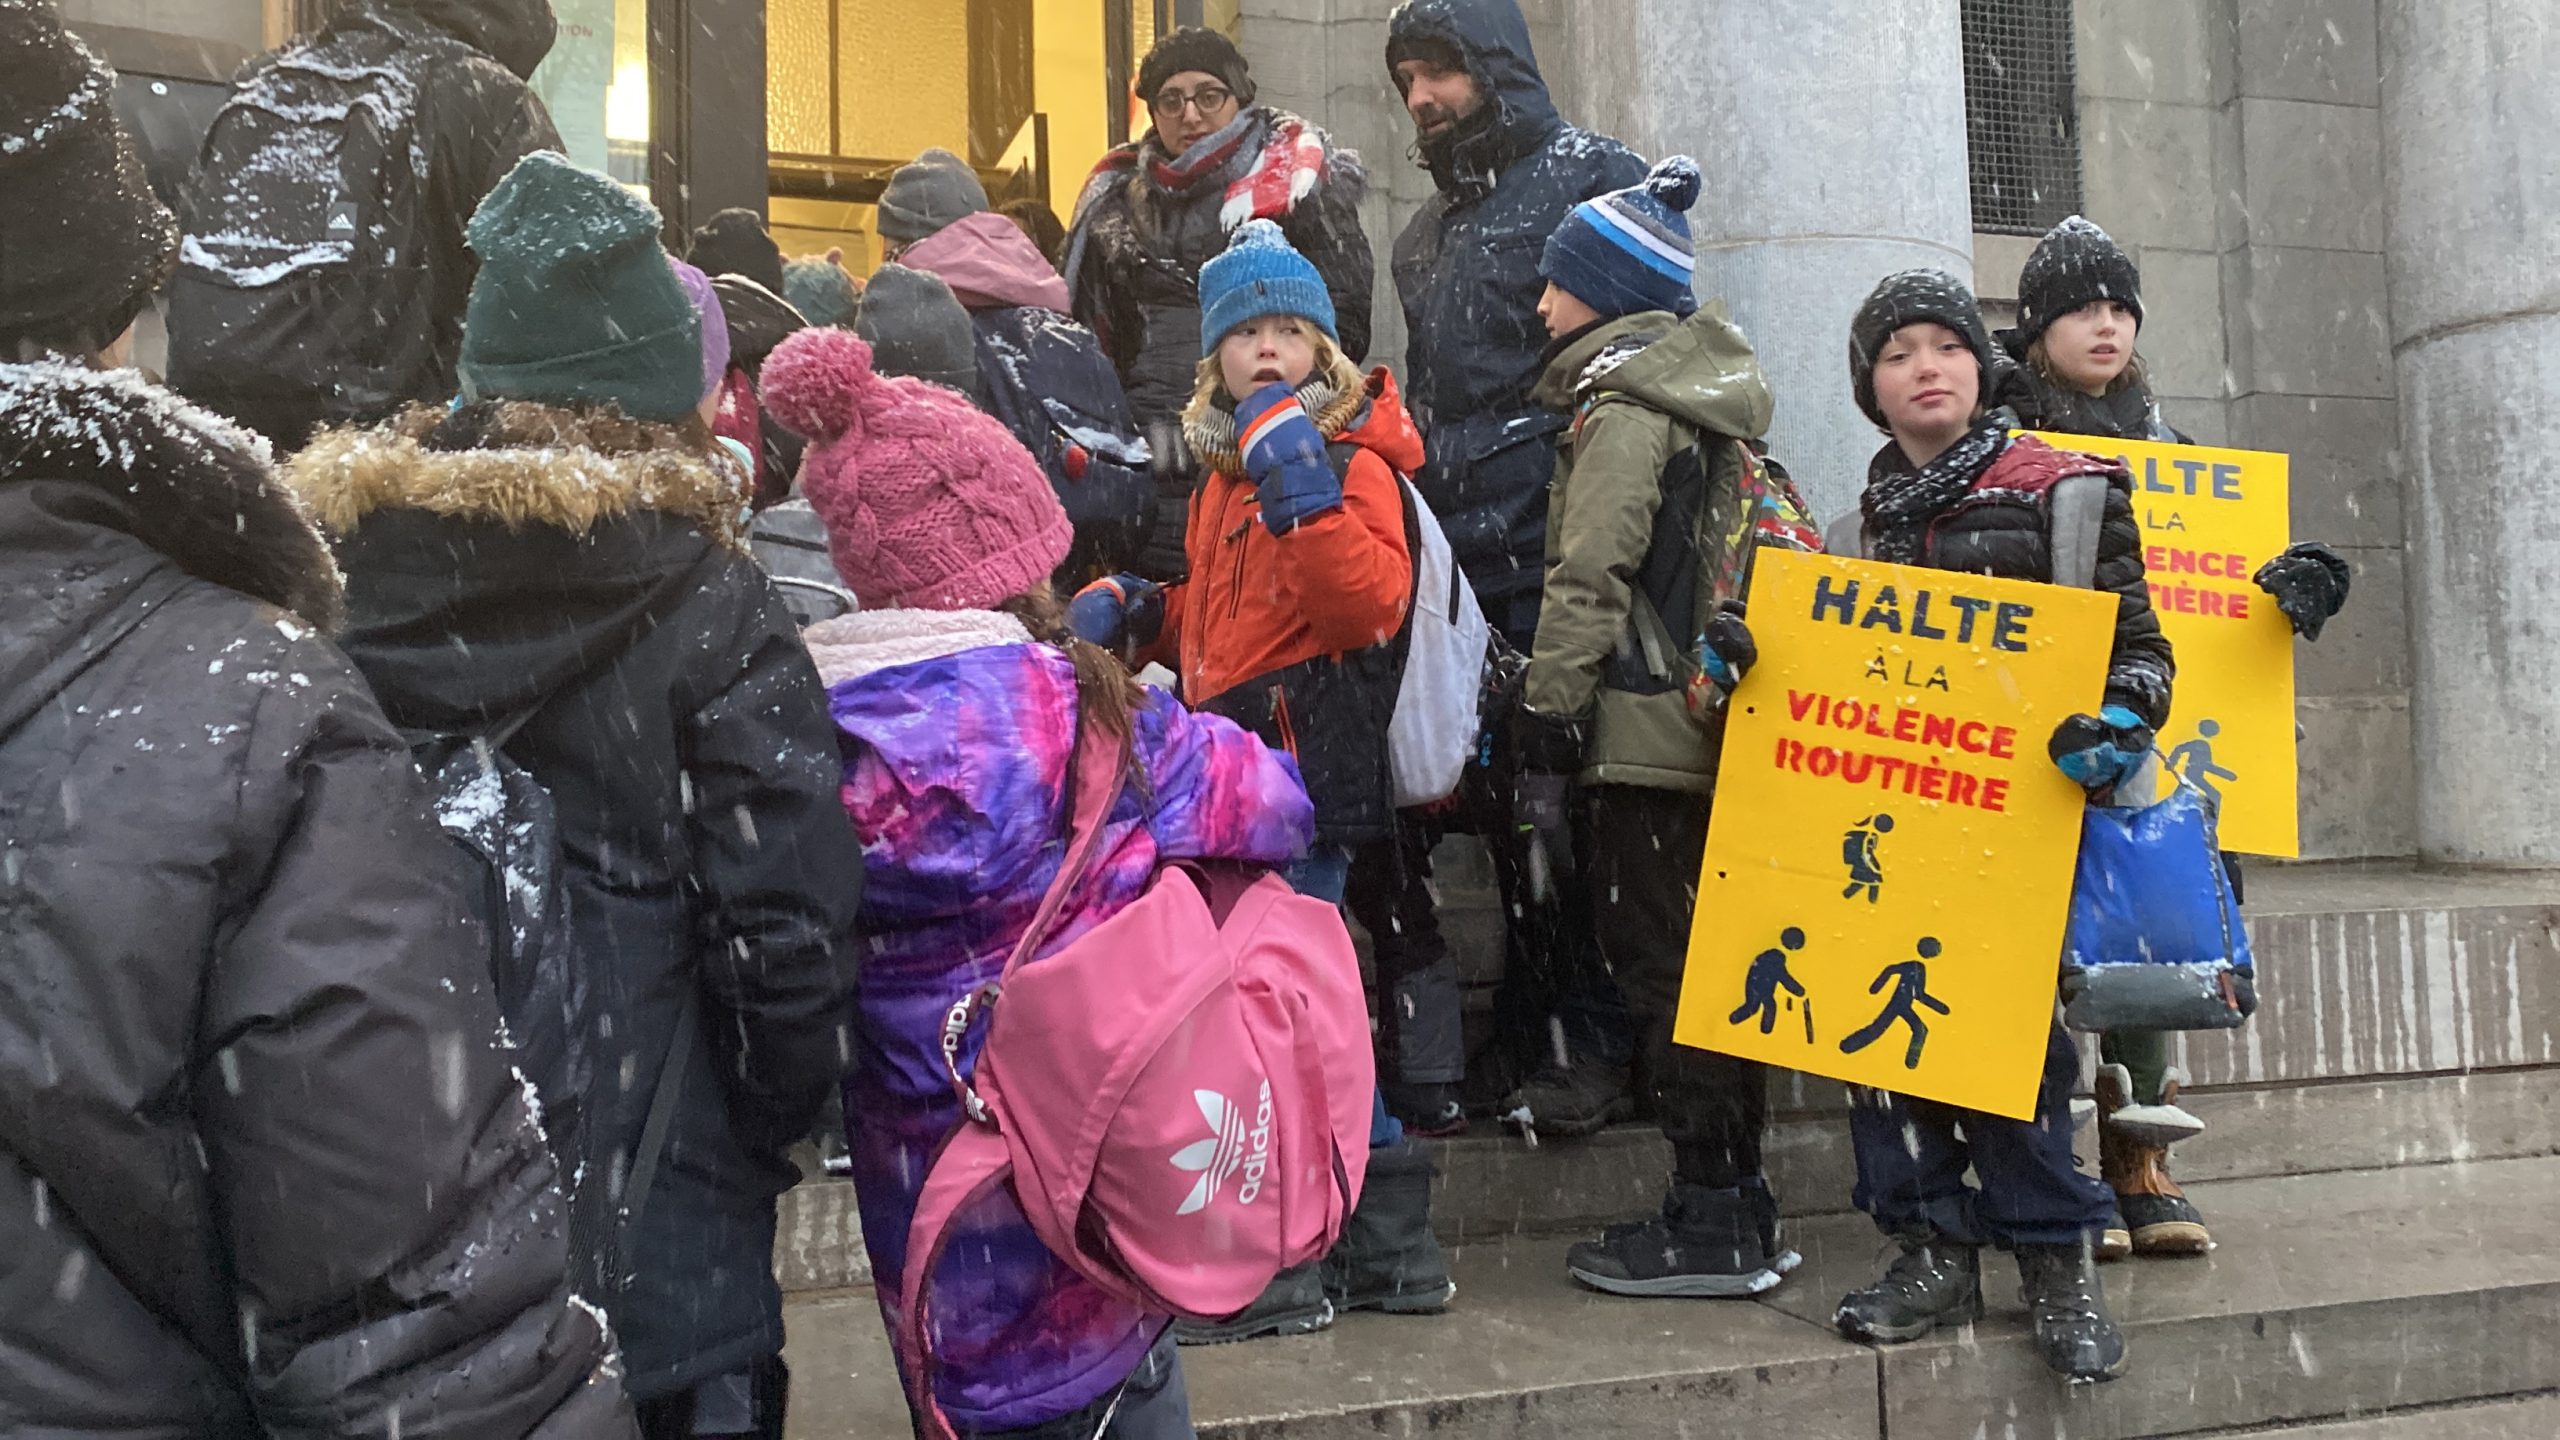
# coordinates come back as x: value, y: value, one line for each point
x: 187, y: 483
x: 520, y: 464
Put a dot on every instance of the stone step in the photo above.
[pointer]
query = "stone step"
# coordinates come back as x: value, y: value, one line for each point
x: 2534, y: 1417
x: 2332, y: 1297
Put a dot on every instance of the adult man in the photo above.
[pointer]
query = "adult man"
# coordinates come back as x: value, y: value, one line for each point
x: 324, y: 272
x: 1508, y: 170
x: 1159, y: 208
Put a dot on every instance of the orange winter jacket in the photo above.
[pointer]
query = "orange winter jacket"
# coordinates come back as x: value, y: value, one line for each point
x: 1297, y: 636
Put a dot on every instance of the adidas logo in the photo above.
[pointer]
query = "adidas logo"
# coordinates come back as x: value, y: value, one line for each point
x: 1217, y: 1158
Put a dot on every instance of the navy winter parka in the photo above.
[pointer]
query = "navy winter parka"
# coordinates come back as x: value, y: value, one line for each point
x: 1466, y: 269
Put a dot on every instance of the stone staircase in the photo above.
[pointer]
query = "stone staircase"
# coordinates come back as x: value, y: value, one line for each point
x: 2382, y: 1172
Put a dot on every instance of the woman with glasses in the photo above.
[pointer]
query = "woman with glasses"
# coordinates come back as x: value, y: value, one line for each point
x: 1158, y: 209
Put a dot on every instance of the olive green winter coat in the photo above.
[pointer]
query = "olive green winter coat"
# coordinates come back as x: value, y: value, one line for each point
x: 1642, y: 389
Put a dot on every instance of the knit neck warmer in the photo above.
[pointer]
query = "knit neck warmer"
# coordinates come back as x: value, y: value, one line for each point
x: 855, y: 646
x: 1334, y: 403
x: 1900, y: 501
x: 1222, y: 155
x: 2128, y: 413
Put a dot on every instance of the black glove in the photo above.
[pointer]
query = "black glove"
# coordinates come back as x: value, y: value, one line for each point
x: 1726, y: 651
x: 2309, y: 582
x: 1548, y: 744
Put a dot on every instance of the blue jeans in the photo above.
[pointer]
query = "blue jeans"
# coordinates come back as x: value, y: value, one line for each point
x: 1911, y: 1165
x: 1325, y: 874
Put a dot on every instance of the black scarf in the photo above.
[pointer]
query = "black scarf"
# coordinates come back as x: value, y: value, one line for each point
x: 1901, y: 501
x: 2123, y: 414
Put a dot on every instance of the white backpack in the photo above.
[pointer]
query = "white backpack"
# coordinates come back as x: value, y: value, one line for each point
x: 1440, y: 700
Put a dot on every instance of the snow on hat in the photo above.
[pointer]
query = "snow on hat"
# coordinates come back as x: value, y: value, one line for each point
x: 736, y: 242
x: 1909, y: 297
x: 928, y: 504
x: 1260, y: 274
x: 928, y: 193
x: 715, y: 323
x: 575, y: 302
x: 83, y: 240
x: 917, y: 327
x: 2075, y: 264
x: 1193, y: 48
x: 820, y: 289
x: 1629, y: 251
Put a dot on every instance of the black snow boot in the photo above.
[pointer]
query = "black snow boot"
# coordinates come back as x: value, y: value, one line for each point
x: 1706, y: 1244
x: 2074, y: 1333
x: 1934, y: 1281
x: 1572, y: 1100
x: 1433, y: 1111
x: 1294, y: 1304
x: 1387, y: 1258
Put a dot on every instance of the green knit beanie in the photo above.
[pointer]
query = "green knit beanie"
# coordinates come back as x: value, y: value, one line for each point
x: 575, y: 302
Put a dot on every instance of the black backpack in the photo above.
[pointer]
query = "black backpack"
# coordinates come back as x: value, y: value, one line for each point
x: 302, y: 293
x: 1049, y: 383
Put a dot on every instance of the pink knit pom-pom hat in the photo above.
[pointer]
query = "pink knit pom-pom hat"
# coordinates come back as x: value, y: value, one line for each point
x: 929, y: 504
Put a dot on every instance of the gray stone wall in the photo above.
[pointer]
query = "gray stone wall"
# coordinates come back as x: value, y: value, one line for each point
x: 2235, y: 147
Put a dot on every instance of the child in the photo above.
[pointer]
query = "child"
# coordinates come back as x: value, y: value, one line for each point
x: 1953, y: 490
x: 958, y: 694
x: 1646, y: 376
x: 2077, y: 372
x: 1300, y: 574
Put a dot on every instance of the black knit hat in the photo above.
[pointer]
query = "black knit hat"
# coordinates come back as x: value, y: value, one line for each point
x: 1193, y: 48
x: 1909, y: 297
x: 735, y: 242
x: 83, y: 242
x: 2075, y: 264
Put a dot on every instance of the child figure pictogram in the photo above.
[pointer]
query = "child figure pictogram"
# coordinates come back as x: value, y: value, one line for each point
x: 1859, y: 851
x: 1910, y: 982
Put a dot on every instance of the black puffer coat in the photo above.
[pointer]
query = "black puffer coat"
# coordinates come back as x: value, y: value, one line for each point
x: 2129, y: 413
x: 2003, y: 526
x: 513, y: 557
x: 265, y: 1172
x: 1467, y: 270
x: 324, y: 274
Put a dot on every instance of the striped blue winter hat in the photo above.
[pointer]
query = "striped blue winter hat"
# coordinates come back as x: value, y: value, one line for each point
x: 1628, y: 251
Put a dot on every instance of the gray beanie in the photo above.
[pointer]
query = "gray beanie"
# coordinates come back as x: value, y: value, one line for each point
x: 917, y: 327
x: 933, y: 191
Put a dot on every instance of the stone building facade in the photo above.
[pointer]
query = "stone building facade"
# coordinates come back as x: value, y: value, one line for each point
x: 2236, y: 147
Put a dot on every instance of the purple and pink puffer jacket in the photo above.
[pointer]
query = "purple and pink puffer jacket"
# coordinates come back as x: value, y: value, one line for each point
x: 957, y: 729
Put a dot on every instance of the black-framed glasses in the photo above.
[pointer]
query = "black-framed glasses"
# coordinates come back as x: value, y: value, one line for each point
x: 1209, y: 98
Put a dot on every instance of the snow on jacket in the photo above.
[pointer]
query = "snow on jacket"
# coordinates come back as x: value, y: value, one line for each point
x: 266, y: 1171
x: 1047, y: 379
x: 1143, y: 229
x: 513, y: 558
x: 1466, y: 268
x: 2003, y: 526
x: 1641, y: 390
x: 1295, y: 637
x: 957, y: 731
x: 285, y: 319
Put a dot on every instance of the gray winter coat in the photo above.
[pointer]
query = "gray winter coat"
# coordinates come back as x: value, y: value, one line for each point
x: 263, y: 1169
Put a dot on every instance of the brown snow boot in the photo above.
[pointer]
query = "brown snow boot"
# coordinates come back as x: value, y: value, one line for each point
x: 2153, y: 1216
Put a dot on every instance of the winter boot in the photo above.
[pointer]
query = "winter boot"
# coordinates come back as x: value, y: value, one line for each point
x: 1934, y: 1281
x: 1432, y: 1111
x: 2074, y: 1333
x: 2153, y: 1216
x: 1707, y: 1244
x: 1295, y: 1304
x: 1387, y: 1258
x: 1773, y: 1231
x: 1569, y: 1100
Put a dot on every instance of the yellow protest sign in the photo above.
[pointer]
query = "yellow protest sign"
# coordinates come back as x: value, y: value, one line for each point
x: 2209, y: 519
x: 1889, y: 865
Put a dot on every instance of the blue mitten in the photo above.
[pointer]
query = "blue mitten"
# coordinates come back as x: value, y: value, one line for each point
x: 2102, y: 749
x: 1117, y: 610
x: 1284, y: 453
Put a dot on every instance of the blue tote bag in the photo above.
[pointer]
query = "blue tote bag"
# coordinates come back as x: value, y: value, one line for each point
x: 2155, y: 940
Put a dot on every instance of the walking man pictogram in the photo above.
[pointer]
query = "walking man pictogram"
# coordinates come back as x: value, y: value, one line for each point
x: 2194, y: 761
x: 1910, y: 982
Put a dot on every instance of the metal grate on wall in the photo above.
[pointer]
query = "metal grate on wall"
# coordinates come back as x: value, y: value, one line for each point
x: 2021, y: 114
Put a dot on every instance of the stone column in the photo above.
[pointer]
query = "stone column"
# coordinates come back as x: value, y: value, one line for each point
x: 1832, y: 135
x: 2468, y: 109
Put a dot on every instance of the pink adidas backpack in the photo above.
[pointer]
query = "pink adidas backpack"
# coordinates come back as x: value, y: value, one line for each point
x: 1181, y: 1097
